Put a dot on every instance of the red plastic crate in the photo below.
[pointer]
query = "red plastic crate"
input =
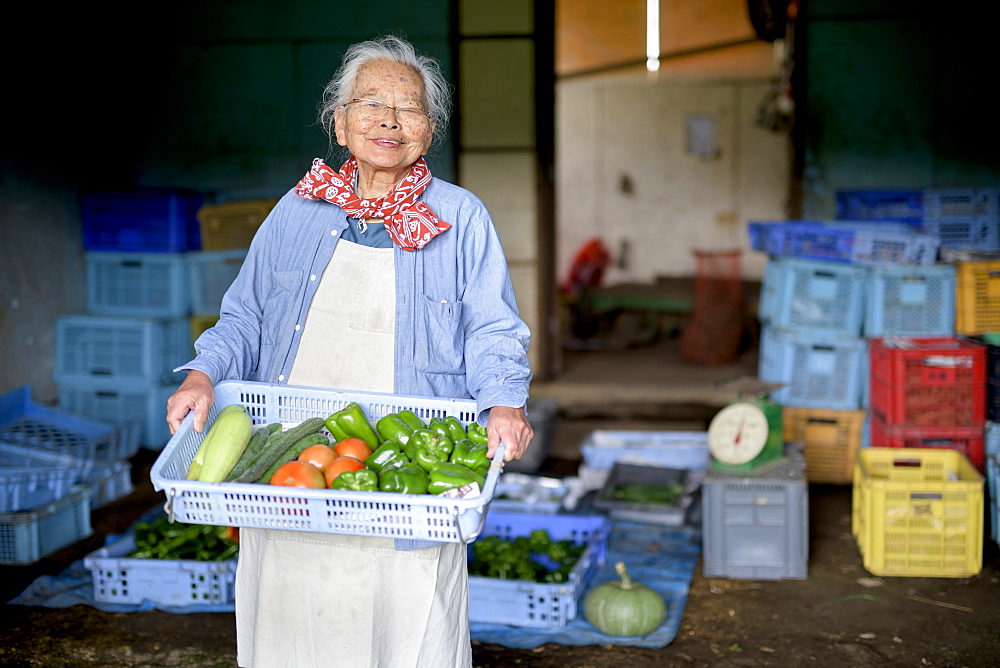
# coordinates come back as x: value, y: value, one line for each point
x: 970, y: 441
x: 940, y: 361
x: 928, y: 405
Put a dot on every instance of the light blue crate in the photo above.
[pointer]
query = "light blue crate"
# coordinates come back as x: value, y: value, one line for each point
x: 822, y: 298
x: 175, y: 582
x: 770, y: 289
x: 992, y: 435
x: 153, y: 285
x: 910, y: 301
x: 993, y: 486
x: 756, y: 527
x: 210, y: 273
x: 121, y: 403
x: 122, y: 347
x: 27, y: 423
x: 29, y: 535
x: 27, y: 487
x: 817, y: 372
x: 109, y: 482
x: 531, y: 604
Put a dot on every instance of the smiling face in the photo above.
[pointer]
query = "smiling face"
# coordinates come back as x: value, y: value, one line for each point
x: 385, y: 145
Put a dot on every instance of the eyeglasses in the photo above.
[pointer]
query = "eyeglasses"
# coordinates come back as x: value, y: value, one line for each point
x: 371, y: 111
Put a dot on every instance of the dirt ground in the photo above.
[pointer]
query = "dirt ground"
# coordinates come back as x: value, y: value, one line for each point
x: 839, y: 616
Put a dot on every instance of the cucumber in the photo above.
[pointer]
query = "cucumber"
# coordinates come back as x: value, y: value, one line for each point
x: 254, y: 450
x: 292, y: 452
x: 276, y: 445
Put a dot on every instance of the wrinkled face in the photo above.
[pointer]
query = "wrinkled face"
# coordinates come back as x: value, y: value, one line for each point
x: 381, y: 138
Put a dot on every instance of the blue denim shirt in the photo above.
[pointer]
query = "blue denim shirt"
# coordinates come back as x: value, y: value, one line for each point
x: 458, y: 332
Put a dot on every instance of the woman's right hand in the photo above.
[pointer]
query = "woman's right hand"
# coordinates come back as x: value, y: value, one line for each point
x: 196, y: 394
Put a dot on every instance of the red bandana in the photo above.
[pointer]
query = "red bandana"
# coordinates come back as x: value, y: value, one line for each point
x: 409, y: 222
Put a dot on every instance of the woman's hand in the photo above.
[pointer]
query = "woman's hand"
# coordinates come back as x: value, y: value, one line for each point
x: 196, y: 394
x: 511, y: 426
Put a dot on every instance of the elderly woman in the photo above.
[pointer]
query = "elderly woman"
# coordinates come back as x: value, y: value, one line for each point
x: 372, y: 277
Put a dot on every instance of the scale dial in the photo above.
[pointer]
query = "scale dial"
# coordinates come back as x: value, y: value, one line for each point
x: 737, y: 433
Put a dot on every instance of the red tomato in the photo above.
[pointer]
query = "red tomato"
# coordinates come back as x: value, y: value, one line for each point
x: 298, y: 474
x: 318, y: 455
x: 353, y: 447
x: 339, y: 465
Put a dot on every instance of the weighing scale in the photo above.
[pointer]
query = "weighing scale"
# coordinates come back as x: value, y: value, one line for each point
x: 745, y: 436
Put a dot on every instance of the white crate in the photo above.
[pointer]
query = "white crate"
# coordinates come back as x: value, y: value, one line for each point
x: 210, y: 273
x: 28, y: 535
x: 151, y: 285
x: 126, y: 348
x: 109, y: 482
x: 23, y: 487
x: 412, y: 518
x: 121, y: 404
x: 180, y: 582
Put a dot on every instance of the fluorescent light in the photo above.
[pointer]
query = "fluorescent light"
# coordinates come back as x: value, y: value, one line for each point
x: 652, y: 35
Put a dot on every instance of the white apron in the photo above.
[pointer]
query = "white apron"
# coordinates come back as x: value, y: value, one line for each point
x: 306, y: 599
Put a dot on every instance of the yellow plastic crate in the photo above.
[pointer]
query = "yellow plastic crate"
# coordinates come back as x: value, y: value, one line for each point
x: 232, y: 224
x: 918, y: 512
x: 977, y: 297
x: 830, y: 441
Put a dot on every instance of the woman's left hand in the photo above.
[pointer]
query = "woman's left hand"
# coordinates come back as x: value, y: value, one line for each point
x: 511, y: 426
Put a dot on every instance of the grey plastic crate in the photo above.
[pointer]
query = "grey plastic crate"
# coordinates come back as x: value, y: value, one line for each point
x: 756, y: 527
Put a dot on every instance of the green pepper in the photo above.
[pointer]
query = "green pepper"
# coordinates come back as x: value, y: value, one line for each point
x: 411, y: 420
x: 456, y: 432
x: 388, y: 454
x: 392, y: 428
x: 405, y: 479
x: 471, y: 454
x: 351, y: 422
x: 445, y: 475
x: 362, y: 480
x: 476, y: 433
x: 438, y: 426
x: 427, y: 448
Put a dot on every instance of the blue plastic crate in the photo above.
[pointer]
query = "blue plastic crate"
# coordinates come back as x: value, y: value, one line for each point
x: 961, y: 203
x: 966, y: 233
x: 859, y: 242
x: 151, y: 220
x: 108, y: 483
x: 993, y: 487
x: 817, y: 372
x: 151, y: 285
x: 910, y: 301
x: 821, y: 298
x: 905, y: 206
x: 27, y: 487
x: 532, y: 604
x: 28, y: 535
x: 210, y: 273
x: 24, y: 422
x: 121, y: 404
x: 770, y: 289
x: 124, y: 348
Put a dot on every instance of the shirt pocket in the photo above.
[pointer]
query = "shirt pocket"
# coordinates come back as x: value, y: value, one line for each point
x: 444, y: 349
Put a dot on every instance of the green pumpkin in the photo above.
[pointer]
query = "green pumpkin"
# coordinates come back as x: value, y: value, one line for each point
x: 624, y: 608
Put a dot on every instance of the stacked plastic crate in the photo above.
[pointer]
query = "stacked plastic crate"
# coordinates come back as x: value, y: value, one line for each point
x: 828, y: 286
x: 115, y: 363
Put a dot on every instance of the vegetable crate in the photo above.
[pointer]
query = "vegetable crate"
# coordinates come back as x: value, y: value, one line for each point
x: 26, y: 487
x: 153, y: 285
x: 977, y: 296
x: 817, y: 372
x: 531, y: 604
x: 970, y: 441
x: 180, y: 582
x: 910, y: 301
x: 149, y: 220
x: 660, y: 495
x: 821, y: 298
x: 145, y: 349
x: 859, y: 242
x: 28, y: 535
x: 411, y: 519
x: 122, y: 403
x: 920, y: 382
x: 542, y: 415
x: 24, y: 422
x: 918, y: 513
x: 602, y: 449
x: 233, y: 224
x: 905, y: 206
x: 210, y: 273
x: 830, y: 441
x: 756, y: 527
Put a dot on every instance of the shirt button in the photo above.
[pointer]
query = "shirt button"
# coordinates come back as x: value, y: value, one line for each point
x: 298, y: 327
x: 333, y: 233
x: 281, y: 377
x: 313, y: 277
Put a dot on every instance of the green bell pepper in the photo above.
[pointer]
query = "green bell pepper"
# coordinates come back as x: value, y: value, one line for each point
x: 405, y: 479
x: 449, y: 427
x: 351, y: 422
x: 411, y: 420
x: 472, y: 455
x: 362, y: 480
x: 476, y: 433
x: 427, y: 448
x: 389, y: 454
x: 445, y: 475
x: 392, y: 428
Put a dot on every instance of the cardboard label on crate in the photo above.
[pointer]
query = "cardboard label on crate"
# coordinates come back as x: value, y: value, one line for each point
x: 949, y: 361
x: 469, y: 491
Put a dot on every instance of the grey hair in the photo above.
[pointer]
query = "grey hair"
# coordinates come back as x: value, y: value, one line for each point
x: 437, y: 90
